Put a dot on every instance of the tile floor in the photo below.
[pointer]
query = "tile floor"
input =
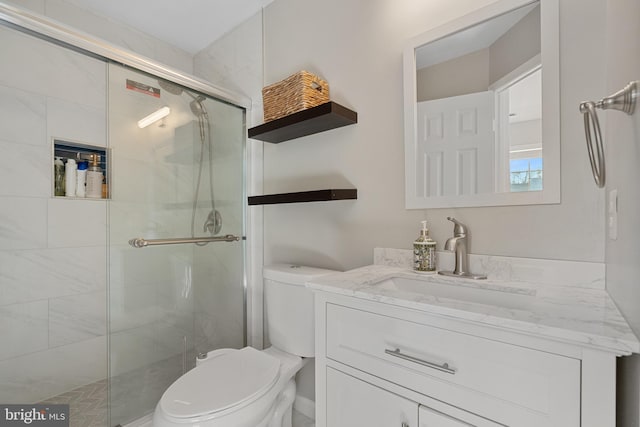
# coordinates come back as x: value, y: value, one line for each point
x: 300, y: 420
x: 87, y: 404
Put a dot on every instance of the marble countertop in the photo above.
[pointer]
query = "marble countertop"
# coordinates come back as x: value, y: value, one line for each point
x: 568, y: 314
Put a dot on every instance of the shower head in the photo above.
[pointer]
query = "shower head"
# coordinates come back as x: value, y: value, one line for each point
x: 170, y: 87
x: 197, y: 108
x: 176, y: 89
x: 196, y: 105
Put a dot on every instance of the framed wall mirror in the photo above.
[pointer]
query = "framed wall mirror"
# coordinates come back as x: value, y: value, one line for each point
x: 482, y: 109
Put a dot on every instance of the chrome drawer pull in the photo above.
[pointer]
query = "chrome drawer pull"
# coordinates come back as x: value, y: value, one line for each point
x: 444, y: 367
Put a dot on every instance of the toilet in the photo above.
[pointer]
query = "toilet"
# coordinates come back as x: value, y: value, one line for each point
x: 249, y: 387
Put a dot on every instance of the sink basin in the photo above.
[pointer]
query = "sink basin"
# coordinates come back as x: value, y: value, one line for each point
x: 436, y: 287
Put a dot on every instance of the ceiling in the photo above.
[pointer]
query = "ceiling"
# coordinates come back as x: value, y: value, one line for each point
x: 469, y: 40
x: 188, y: 24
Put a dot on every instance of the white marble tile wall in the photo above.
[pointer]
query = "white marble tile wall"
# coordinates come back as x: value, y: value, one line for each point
x: 219, y: 297
x: 77, y: 318
x: 23, y: 223
x: 77, y: 78
x: 76, y: 122
x: 23, y: 328
x: 131, y: 349
x: 30, y: 275
x: 151, y: 305
x: 22, y: 115
x: 236, y: 61
x: 52, y: 251
x: 218, y: 268
x: 76, y: 223
x: 27, y: 167
x: 151, y: 290
x: 35, y: 376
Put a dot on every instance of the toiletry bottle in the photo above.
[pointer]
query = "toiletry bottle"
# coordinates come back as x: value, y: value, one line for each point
x: 424, y: 251
x: 94, y: 178
x: 81, y: 180
x: 70, y: 175
x: 58, y: 177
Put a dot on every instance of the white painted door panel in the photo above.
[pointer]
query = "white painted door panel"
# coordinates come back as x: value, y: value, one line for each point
x: 455, y: 148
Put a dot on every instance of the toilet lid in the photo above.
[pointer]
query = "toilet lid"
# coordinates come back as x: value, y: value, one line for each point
x: 221, y: 383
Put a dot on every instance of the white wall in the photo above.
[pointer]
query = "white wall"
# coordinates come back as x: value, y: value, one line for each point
x: 516, y: 46
x: 459, y: 76
x: 357, y: 47
x: 112, y: 31
x: 622, y: 143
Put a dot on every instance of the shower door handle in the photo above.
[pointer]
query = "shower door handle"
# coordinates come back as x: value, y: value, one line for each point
x: 140, y: 242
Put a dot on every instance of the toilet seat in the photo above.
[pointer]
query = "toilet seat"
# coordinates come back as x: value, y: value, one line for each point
x: 233, y: 379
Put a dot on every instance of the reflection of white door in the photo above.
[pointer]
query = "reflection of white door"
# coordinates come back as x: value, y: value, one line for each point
x: 455, y: 147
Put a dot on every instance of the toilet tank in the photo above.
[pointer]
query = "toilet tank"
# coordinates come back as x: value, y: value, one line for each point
x: 289, y: 307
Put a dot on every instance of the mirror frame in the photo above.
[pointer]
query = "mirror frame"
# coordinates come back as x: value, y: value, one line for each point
x: 550, y: 54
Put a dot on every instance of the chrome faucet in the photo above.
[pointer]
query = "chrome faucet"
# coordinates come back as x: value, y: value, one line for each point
x: 458, y: 244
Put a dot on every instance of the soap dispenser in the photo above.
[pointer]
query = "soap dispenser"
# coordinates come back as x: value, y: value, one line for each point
x: 94, y: 178
x: 424, y: 251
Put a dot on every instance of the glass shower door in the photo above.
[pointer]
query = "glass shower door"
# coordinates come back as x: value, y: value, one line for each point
x: 179, y: 177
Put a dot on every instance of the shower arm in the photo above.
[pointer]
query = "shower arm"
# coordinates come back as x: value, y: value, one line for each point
x: 140, y: 242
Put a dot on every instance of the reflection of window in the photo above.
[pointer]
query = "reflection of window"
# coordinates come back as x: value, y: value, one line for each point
x: 519, y: 129
x: 525, y: 174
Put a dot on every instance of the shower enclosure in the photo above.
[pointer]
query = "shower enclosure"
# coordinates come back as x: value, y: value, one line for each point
x: 181, y: 177
x: 86, y: 318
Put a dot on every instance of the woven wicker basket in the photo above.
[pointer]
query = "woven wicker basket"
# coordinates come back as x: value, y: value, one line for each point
x: 297, y: 92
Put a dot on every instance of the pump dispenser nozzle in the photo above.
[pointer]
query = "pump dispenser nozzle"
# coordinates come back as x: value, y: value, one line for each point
x: 425, y: 231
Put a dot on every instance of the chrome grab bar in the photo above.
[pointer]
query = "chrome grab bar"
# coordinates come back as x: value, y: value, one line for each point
x: 624, y: 100
x: 139, y: 242
x: 444, y: 367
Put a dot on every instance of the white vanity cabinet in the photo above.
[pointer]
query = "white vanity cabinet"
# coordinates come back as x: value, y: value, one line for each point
x: 379, y: 364
x: 353, y: 402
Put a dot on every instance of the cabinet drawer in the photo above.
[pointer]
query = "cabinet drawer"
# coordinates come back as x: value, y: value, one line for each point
x: 454, y: 367
x: 428, y: 417
x: 354, y: 403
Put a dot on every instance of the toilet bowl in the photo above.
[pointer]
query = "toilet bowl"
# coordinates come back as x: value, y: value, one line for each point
x: 249, y: 387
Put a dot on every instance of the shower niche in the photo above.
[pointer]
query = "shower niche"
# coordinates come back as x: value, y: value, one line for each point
x: 86, y: 176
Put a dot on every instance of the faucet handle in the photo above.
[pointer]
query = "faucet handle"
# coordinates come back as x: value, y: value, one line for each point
x: 459, y: 229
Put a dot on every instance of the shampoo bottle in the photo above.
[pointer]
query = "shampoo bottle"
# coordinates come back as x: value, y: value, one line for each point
x: 70, y: 175
x: 424, y: 251
x: 81, y: 180
x: 94, y: 178
x: 58, y: 177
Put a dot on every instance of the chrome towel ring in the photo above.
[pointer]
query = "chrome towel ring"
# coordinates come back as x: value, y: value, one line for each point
x: 624, y: 100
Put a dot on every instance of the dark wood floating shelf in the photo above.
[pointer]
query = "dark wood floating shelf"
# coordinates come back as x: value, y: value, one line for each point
x: 306, y: 122
x: 305, y: 196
